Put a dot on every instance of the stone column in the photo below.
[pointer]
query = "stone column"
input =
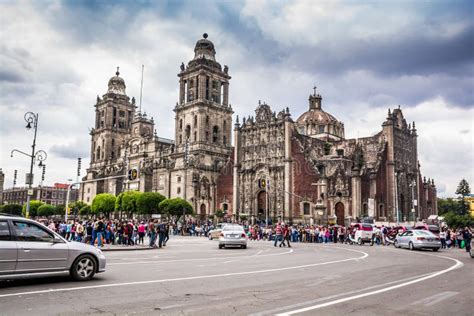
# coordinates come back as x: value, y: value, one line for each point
x: 387, y: 130
x: 287, y: 184
x: 356, y: 193
x: 226, y: 94
x: 373, y: 192
x: 235, y: 182
x: 181, y: 91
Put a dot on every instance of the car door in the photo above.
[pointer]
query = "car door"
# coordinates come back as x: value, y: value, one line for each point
x: 8, y: 249
x: 407, y: 238
x: 402, y: 239
x: 37, y: 248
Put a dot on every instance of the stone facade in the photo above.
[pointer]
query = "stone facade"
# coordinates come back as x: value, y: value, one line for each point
x: 302, y: 170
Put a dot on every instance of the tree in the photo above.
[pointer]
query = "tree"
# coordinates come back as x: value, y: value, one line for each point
x: 454, y: 220
x: 13, y: 209
x: 76, y: 206
x: 462, y: 191
x: 148, y: 202
x: 46, y: 210
x: 447, y: 205
x: 59, y: 210
x: 129, y: 202
x: 176, y: 207
x: 34, y: 205
x: 220, y: 214
x: 103, y: 203
x: 85, y: 210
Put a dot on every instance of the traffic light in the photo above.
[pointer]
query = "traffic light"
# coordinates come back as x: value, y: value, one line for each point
x: 43, y: 173
x: 79, y: 167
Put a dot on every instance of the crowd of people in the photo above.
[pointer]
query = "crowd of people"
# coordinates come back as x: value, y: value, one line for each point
x: 132, y: 232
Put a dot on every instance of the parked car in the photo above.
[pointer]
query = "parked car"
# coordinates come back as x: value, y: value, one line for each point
x: 215, y: 233
x: 233, y: 235
x: 418, y: 239
x: 432, y: 228
x: 27, y: 246
x: 362, y: 233
x: 471, y: 252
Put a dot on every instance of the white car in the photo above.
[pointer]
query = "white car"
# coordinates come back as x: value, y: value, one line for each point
x: 233, y: 235
x: 215, y: 233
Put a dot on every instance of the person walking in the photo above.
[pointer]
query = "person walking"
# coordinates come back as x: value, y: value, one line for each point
x: 278, y: 234
x: 100, y: 232
x: 141, y: 233
x: 286, y: 236
x: 442, y: 237
x: 467, y: 237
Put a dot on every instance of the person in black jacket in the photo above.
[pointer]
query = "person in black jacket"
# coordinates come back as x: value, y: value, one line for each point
x: 467, y: 236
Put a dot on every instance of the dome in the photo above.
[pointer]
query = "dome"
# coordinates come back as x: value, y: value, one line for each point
x: 116, y: 84
x: 316, y: 116
x: 204, y: 49
x: 317, y: 123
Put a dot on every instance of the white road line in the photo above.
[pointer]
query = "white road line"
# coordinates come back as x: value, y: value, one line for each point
x: 325, y: 298
x: 435, y: 299
x: 195, y: 259
x: 457, y: 265
x: 365, y: 255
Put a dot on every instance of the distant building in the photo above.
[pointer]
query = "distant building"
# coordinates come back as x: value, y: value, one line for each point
x: 55, y: 195
x: 2, y: 182
x: 470, y: 201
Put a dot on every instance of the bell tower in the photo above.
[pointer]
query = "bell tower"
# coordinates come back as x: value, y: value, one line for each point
x: 113, y: 117
x: 203, y: 125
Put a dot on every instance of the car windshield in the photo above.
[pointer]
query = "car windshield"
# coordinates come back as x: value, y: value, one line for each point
x: 233, y: 228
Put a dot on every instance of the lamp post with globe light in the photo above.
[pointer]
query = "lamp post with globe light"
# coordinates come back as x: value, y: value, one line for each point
x: 40, y: 155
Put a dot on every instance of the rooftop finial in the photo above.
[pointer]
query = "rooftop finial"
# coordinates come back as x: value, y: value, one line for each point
x: 117, y: 73
x: 205, y: 35
x: 314, y: 88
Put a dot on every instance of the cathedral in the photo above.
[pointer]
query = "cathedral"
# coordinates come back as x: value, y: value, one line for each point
x: 263, y: 166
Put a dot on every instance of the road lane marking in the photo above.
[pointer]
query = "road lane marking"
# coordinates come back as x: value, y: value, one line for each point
x: 196, y: 259
x: 78, y: 288
x: 325, y: 298
x: 435, y: 299
x: 458, y: 264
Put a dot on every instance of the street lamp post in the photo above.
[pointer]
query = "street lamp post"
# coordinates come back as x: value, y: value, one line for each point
x: 412, y: 185
x: 186, y: 164
x: 40, y: 155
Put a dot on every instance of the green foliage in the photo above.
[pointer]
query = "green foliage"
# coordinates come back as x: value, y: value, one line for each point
x: 219, y: 213
x: 103, y: 203
x: 447, y: 205
x: 13, y: 209
x: 175, y: 207
x: 34, y: 205
x: 454, y: 220
x: 148, y: 202
x: 243, y: 217
x: 85, y: 210
x: 46, y: 210
x: 463, y: 190
x: 59, y: 210
x: 76, y: 206
x: 129, y: 202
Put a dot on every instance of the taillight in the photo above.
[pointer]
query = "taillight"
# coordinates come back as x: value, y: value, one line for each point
x: 221, y: 234
x: 243, y: 235
x: 420, y: 238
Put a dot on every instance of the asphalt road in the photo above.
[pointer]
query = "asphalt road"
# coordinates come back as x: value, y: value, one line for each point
x: 191, y: 276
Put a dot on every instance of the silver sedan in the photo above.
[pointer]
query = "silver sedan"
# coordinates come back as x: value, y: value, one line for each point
x: 233, y: 235
x: 28, y: 247
x: 418, y: 239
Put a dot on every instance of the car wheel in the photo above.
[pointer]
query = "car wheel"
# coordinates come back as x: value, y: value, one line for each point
x: 395, y: 244
x: 244, y: 247
x: 435, y: 249
x: 221, y: 246
x: 210, y: 237
x: 83, y: 268
x: 410, y: 245
x: 359, y: 241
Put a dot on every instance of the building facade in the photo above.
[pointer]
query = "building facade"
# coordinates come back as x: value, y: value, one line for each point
x: 53, y: 195
x: 302, y: 170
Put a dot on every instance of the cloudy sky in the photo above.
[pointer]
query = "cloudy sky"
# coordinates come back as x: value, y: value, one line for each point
x: 364, y: 57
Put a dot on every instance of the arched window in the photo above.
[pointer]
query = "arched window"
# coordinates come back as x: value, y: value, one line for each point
x: 180, y: 139
x: 207, y: 119
x: 181, y: 124
x: 195, y: 121
x: 98, y: 153
x: 188, y: 131
x: 215, y: 134
x: 195, y: 136
x: 224, y: 140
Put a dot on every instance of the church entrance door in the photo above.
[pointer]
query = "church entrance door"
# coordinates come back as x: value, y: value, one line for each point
x: 203, y: 209
x: 340, y: 213
x: 262, y: 204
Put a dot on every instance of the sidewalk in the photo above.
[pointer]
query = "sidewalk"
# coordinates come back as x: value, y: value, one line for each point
x: 125, y: 248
